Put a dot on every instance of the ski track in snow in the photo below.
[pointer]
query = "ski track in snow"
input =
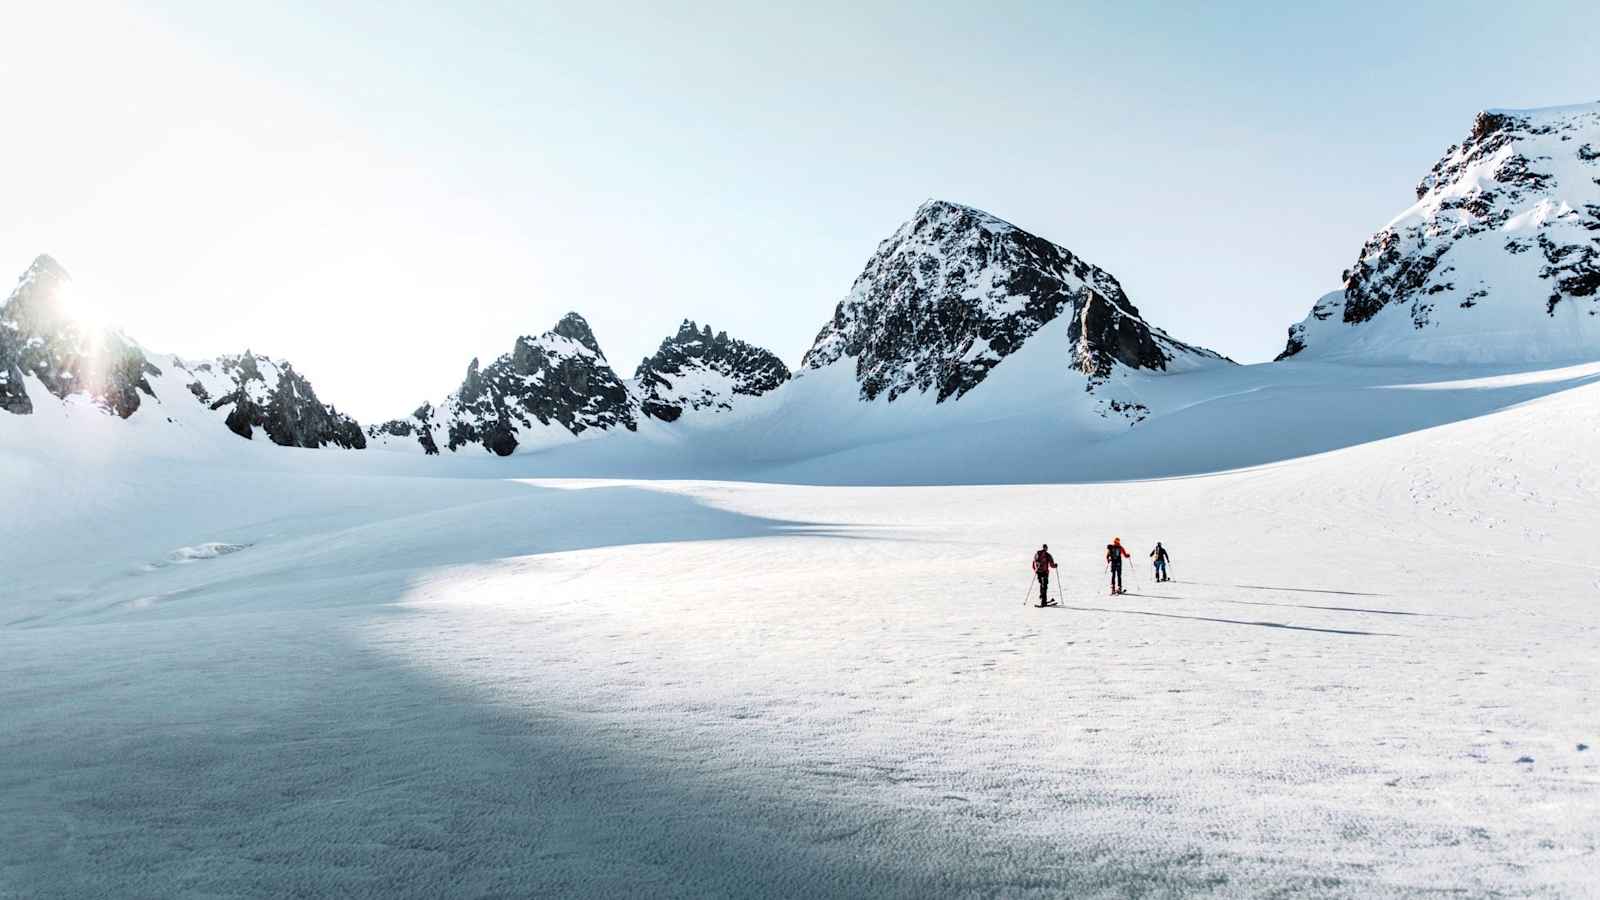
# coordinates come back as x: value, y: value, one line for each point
x: 1370, y: 676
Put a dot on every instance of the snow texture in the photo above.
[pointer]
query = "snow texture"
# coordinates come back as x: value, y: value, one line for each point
x: 1373, y: 675
x: 779, y: 644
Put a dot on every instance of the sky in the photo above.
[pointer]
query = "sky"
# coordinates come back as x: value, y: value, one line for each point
x: 381, y: 191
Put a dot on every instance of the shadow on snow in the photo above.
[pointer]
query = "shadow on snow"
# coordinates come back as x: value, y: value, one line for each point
x: 1140, y: 612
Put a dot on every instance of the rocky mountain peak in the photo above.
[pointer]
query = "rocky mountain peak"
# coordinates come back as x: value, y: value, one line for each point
x: 44, y: 272
x: 1497, y: 260
x: 547, y: 389
x: 575, y: 327
x: 258, y: 392
x: 956, y: 290
x: 39, y: 338
x: 38, y: 302
x: 694, y: 370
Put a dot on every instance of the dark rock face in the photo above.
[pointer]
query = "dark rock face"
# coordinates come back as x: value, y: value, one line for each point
x: 1521, y: 180
x: 694, y: 370
x: 1102, y: 334
x: 420, y: 426
x: 955, y: 291
x: 274, y: 397
x: 559, y: 378
x: 13, y: 393
x: 38, y: 337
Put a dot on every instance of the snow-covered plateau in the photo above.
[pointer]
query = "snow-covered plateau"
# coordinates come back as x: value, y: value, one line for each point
x: 229, y: 668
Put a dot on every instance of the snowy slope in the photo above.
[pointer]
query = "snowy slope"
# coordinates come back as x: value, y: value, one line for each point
x: 270, y: 671
x: 1497, y: 261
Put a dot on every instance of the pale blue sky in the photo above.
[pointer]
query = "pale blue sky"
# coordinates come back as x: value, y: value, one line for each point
x: 380, y: 192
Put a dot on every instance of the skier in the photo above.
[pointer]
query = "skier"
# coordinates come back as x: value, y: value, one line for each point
x: 1114, y: 554
x: 1159, y: 554
x: 1043, y: 562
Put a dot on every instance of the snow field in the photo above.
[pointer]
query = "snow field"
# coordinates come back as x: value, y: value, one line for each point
x: 408, y: 686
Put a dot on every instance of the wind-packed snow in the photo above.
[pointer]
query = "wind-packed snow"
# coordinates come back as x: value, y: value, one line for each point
x: 1374, y: 673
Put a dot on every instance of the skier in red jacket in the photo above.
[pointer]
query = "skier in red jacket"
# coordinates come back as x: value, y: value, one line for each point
x: 1115, y: 553
x: 1043, y: 562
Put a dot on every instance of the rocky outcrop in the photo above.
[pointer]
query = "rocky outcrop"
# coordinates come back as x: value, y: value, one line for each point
x: 1497, y: 260
x: 418, y: 427
x: 955, y: 291
x: 39, y: 337
x: 13, y: 393
x: 547, y: 389
x: 259, y: 392
x: 692, y: 370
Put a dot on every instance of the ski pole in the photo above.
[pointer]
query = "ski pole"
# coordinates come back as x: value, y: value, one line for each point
x: 1028, y: 591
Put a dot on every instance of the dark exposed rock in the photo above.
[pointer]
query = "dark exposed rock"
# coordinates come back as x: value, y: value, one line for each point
x: 558, y: 379
x: 955, y: 291
x: 39, y: 337
x: 1102, y: 334
x: 13, y: 393
x: 694, y: 370
x: 420, y: 425
x: 274, y: 397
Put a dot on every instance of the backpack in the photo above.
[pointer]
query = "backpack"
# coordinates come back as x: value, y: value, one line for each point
x: 1041, y: 562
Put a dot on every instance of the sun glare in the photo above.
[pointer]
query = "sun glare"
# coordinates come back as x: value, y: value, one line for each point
x: 81, y: 307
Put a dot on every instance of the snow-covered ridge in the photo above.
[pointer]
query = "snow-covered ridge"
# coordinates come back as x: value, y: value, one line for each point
x: 955, y: 291
x: 1498, y: 260
x: 558, y: 387
x: 549, y: 389
x: 692, y: 370
x: 43, y: 344
x: 259, y: 392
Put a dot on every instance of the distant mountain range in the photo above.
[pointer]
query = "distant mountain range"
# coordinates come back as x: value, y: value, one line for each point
x: 1497, y: 261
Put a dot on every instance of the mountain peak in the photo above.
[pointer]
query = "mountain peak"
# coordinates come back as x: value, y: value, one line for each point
x: 575, y: 327
x: 1494, y: 262
x: 955, y: 290
x: 694, y: 370
x: 40, y: 286
x: 45, y: 264
x: 957, y: 215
